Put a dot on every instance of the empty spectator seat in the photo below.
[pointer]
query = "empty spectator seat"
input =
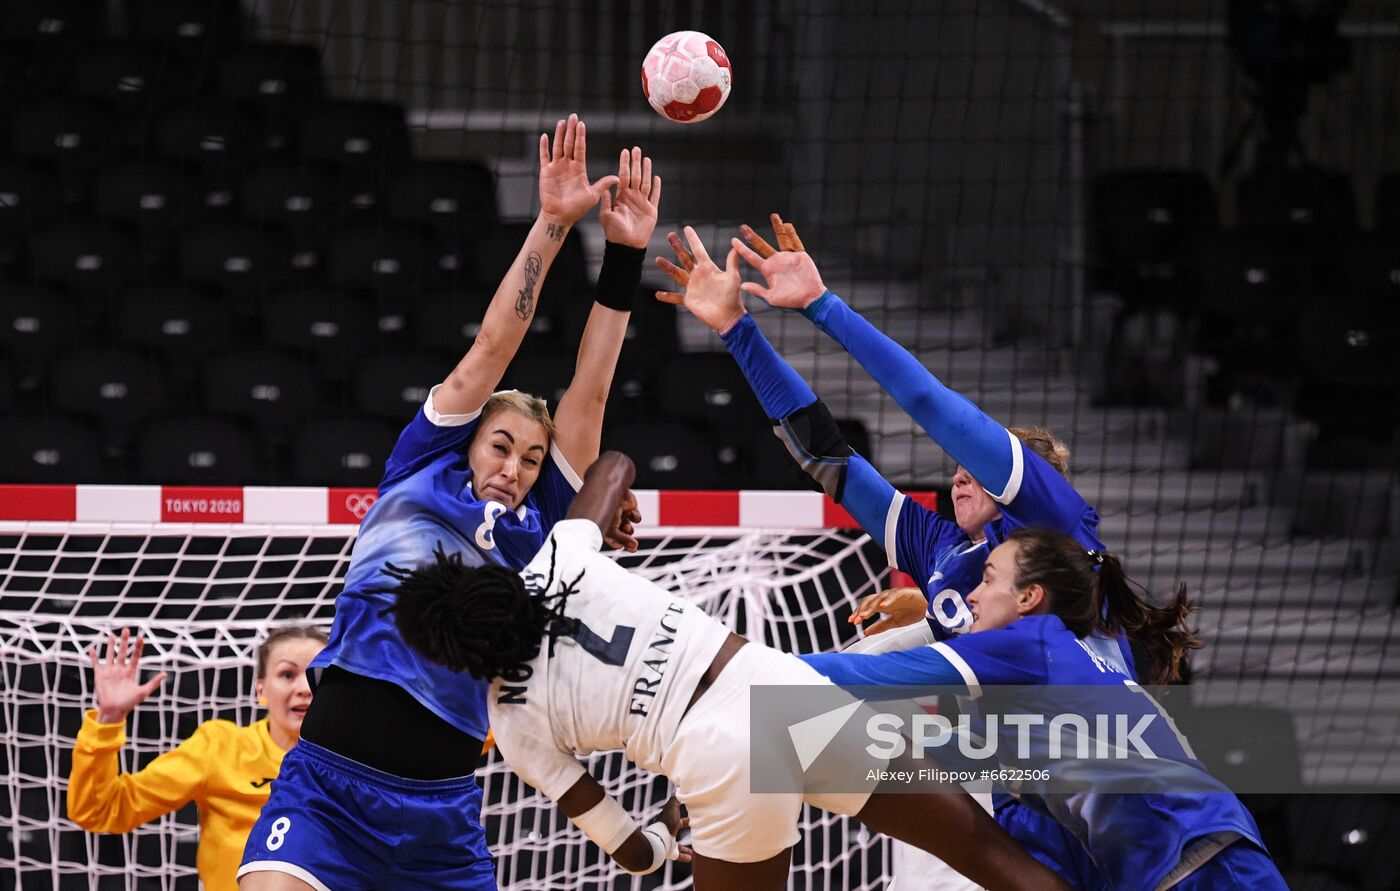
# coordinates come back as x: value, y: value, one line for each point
x: 180, y: 323
x: 70, y: 136
x: 92, y: 256
x: 53, y: 31
x: 36, y: 323
x: 129, y: 79
x: 28, y: 196
x: 159, y: 199
x: 211, y: 135
x: 282, y: 79
x: 366, y: 138
x: 341, y: 451
x: 392, y: 386
x: 119, y: 388
x: 667, y: 454
x: 1313, y: 207
x: 271, y: 390
x: 243, y: 260
x: 383, y: 258
x: 457, y: 200
x: 197, y: 29
x: 301, y: 197
x: 196, y: 451
x: 50, y: 449
x: 710, y: 388
x: 332, y: 326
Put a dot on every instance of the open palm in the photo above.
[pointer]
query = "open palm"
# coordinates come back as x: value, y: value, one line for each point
x: 630, y: 217
x: 793, y: 281
x: 116, y: 678
x: 565, y: 192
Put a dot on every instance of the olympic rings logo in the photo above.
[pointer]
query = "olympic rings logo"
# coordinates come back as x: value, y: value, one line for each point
x: 359, y: 504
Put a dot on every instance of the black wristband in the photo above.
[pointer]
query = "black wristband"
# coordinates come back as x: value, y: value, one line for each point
x: 620, y: 276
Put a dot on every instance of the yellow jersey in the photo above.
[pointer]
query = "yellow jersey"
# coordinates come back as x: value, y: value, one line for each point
x: 225, y: 769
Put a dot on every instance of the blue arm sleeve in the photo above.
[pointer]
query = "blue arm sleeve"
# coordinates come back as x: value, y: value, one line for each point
x: 868, y: 497
x: 922, y: 666
x: 780, y: 390
x: 964, y: 431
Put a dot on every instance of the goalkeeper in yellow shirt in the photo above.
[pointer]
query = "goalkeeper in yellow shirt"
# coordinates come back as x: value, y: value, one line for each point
x: 225, y: 769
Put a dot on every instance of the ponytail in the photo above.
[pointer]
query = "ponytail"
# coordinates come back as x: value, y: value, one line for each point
x: 1160, y: 630
x: 1089, y: 592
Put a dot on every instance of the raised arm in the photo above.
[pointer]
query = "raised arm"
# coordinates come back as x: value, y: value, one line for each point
x: 565, y: 196
x: 628, y: 220
x: 801, y: 421
x: 973, y: 439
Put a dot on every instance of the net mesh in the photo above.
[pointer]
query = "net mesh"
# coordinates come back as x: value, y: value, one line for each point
x: 204, y: 599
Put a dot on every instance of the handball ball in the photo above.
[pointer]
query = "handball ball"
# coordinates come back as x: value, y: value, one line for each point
x: 686, y: 77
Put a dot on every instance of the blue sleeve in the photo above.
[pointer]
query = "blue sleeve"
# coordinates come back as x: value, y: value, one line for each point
x: 554, y: 489
x: 780, y: 390
x: 1015, y: 654
x: 922, y: 666
x: 868, y: 497
x: 918, y: 536
x: 420, y: 443
x: 1041, y: 496
x: 964, y: 431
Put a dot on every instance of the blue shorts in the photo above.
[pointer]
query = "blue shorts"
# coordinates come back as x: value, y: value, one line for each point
x: 1242, y: 865
x: 336, y: 824
x: 1051, y: 844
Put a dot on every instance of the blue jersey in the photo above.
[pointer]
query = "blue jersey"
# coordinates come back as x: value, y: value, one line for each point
x: 1134, y: 838
x: 426, y: 499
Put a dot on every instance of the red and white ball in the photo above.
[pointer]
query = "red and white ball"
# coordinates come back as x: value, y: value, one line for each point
x: 686, y: 77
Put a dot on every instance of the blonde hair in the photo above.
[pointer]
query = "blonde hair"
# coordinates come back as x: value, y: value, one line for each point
x: 1045, y: 444
x: 287, y: 632
x: 532, y: 407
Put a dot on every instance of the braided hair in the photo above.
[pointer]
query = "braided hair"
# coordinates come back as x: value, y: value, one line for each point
x: 478, y: 619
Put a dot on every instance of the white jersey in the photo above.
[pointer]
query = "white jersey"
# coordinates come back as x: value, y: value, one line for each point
x: 619, y: 676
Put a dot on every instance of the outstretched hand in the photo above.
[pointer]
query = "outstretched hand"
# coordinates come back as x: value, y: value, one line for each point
x: 565, y: 192
x: 115, y: 678
x: 629, y: 217
x: 902, y: 606
x: 711, y: 294
x: 793, y: 279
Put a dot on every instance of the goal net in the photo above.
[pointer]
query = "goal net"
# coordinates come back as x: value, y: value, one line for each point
x: 204, y: 594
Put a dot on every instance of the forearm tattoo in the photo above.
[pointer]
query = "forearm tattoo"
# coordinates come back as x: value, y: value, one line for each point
x: 555, y: 231
x: 525, y: 300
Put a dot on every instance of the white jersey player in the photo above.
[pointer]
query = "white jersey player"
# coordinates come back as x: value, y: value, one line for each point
x: 588, y: 657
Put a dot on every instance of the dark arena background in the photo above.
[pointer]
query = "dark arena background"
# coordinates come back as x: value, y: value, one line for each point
x: 239, y: 241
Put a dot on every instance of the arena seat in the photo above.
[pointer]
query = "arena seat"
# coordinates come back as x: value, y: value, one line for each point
x: 284, y: 79
x: 710, y: 388
x: 392, y: 386
x: 301, y: 197
x: 456, y: 200
x: 1351, y: 836
x: 667, y: 454
x: 52, y: 449
x: 341, y: 451
x: 330, y: 325
x: 120, y: 388
x: 210, y: 134
x: 53, y: 29
x: 196, y: 451
x: 70, y: 136
x: 92, y: 256
x: 159, y: 199
x: 368, y: 139
x: 1147, y: 224
x: 243, y: 260
x: 1316, y: 208
x: 1251, y: 286
x: 28, y: 196
x: 20, y: 77
x: 130, y: 79
x: 385, y: 258
x: 269, y: 389
x: 179, y: 323
x: 1373, y: 267
x: 197, y: 29
x: 36, y: 323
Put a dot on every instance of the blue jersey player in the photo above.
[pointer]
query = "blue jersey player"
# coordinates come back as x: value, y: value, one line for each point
x: 1041, y: 597
x: 380, y: 792
x: 1004, y: 481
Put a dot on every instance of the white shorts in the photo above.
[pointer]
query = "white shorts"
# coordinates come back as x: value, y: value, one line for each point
x: 709, y: 762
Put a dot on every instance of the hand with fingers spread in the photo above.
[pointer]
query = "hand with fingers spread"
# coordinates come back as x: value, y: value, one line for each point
x: 116, y: 678
x: 902, y: 606
x: 711, y: 294
x: 565, y: 192
x: 793, y: 279
x: 629, y: 217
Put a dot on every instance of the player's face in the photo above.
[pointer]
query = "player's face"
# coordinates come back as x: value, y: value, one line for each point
x: 996, y: 602
x: 973, y: 508
x: 285, y: 687
x: 506, y: 457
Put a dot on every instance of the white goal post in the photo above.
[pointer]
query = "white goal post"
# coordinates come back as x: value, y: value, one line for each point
x: 203, y: 573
